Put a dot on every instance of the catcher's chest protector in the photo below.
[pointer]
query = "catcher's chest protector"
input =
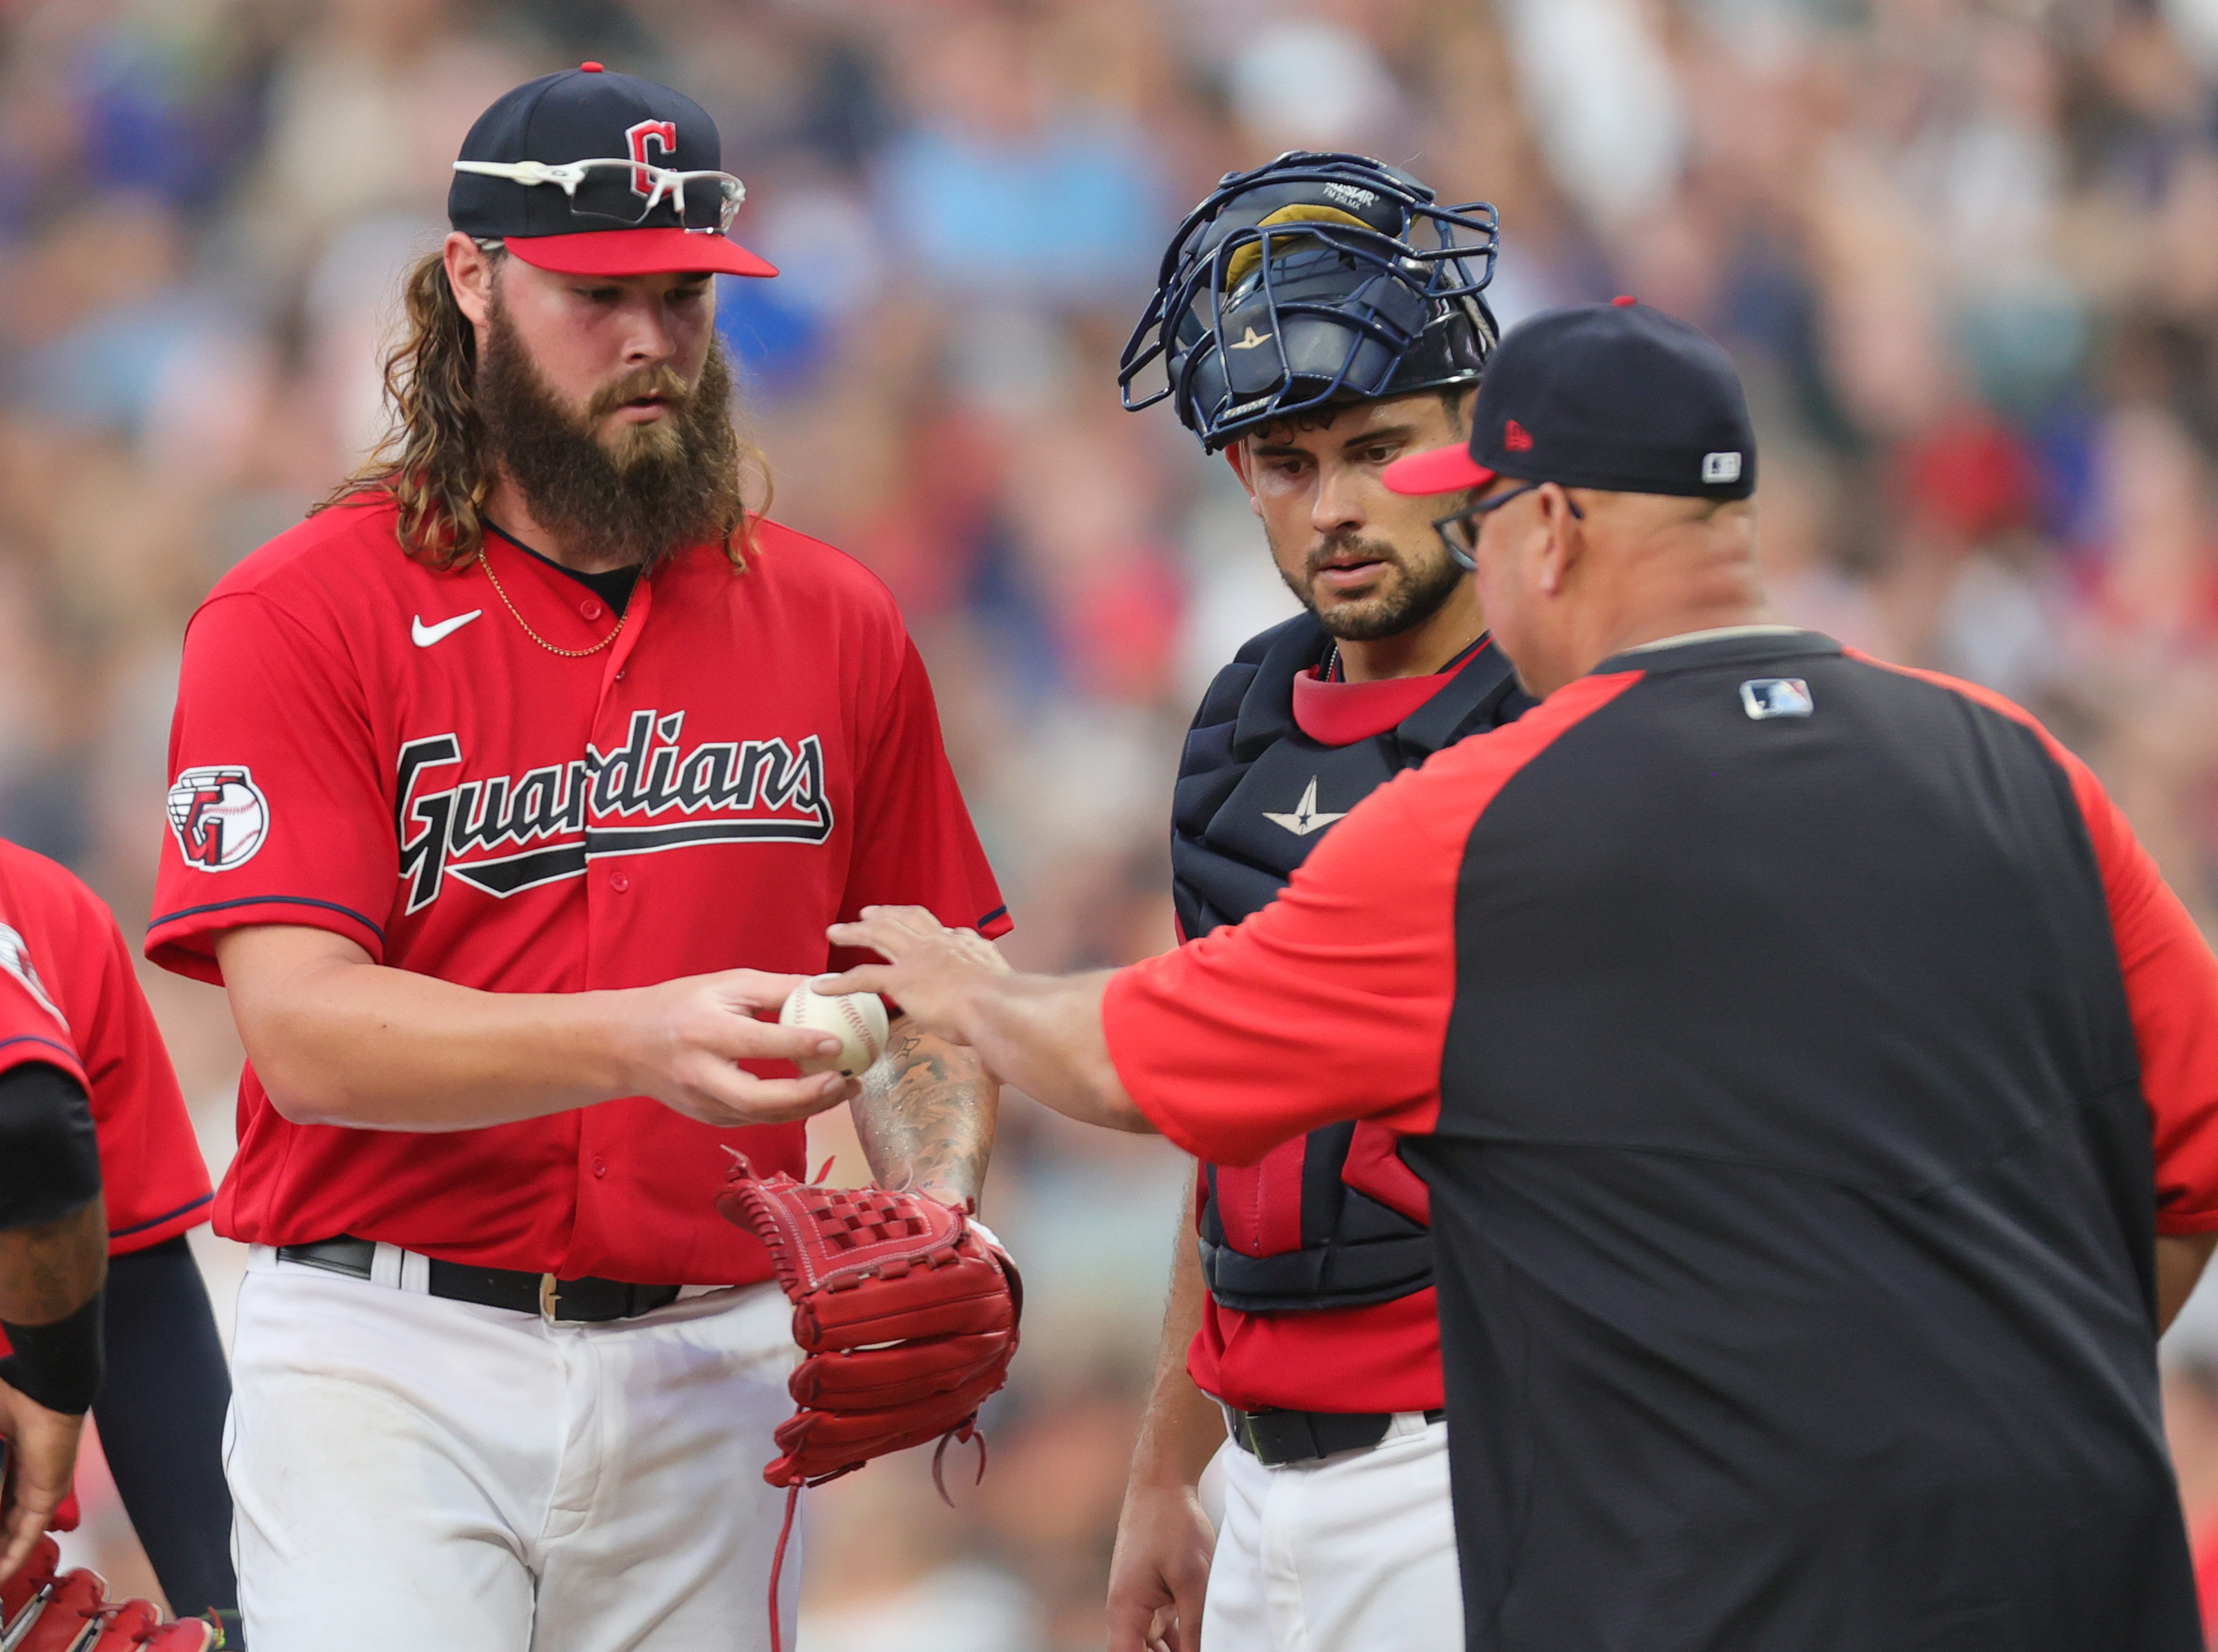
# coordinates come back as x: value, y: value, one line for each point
x: 1254, y: 796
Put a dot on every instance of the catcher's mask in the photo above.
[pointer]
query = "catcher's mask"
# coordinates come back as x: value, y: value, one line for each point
x: 1316, y: 279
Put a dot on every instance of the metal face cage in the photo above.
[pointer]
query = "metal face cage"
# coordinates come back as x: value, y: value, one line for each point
x: 1318, y: 278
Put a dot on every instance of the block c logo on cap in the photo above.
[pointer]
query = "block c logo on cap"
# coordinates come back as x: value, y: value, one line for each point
x: 1719, y: 467
x: 663, y: 135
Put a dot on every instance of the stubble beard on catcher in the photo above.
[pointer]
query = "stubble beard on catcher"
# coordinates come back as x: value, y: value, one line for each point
x: 635, y: 496
x: 1408, y: 596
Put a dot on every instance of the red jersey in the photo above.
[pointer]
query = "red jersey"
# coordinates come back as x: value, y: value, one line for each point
x: 68, y: 998
x: 1381, y: 1356
x: 367, y: 745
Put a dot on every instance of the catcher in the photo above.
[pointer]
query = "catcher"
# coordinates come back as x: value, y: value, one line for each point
x: 1319, y: 317
x: 508, y: 791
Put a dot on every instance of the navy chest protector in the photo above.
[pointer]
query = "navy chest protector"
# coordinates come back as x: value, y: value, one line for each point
x: 1334, y: 1219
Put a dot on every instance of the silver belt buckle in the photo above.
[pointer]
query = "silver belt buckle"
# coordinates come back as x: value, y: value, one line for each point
x: 549, y: 1298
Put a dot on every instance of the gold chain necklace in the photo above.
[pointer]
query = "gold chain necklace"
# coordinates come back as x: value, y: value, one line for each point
x: 567, y: 654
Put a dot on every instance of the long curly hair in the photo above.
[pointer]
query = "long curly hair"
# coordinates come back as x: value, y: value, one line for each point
x: 433, y: 460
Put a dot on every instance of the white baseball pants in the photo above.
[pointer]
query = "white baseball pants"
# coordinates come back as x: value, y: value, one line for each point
x: 1352, y: 1553
x: 411, y: 1472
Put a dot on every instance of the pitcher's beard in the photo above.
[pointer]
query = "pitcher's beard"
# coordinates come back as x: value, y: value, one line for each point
x: 654, y: 488
x: 1412, y: 596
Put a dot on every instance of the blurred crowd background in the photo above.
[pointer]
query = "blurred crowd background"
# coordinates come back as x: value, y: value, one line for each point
x: 1966, y: 255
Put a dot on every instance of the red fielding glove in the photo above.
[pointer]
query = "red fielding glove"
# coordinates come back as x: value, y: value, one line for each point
x: 906, y: 1309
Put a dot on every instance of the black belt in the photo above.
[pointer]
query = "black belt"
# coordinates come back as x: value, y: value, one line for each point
x: 589, y: 1301
x: 1276, y: 1438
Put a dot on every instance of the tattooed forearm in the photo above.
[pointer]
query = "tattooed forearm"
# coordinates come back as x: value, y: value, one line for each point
x: 49, y: 1271
x: 927, y: 1115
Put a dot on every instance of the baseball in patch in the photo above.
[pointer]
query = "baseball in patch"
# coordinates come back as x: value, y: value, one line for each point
x: 219, y: 816
x: 858, y: 1020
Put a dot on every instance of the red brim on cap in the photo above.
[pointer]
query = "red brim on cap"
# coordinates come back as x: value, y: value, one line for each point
x: 1442, y: 470
x: 638, y: 252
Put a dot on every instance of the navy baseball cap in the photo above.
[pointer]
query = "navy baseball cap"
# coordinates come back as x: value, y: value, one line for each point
x: 1617, y: 396
x: 592, y: 173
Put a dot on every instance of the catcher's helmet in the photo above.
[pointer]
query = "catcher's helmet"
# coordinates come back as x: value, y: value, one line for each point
x: 1317, y: 278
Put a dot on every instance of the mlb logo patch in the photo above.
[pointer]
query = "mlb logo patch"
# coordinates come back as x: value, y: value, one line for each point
x: 1719, y: 468
x: 1763, y: 697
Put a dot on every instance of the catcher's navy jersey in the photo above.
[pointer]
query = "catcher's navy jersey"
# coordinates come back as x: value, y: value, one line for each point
x: 1802, y: 1055
x: 366, y: 745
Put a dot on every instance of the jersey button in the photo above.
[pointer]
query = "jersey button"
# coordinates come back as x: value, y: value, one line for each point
x: 590, y: 609
x: 618, y: 882
x: 600, y: 1166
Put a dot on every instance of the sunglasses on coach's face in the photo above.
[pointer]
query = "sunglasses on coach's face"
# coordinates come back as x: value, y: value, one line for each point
x: 1458, y: 530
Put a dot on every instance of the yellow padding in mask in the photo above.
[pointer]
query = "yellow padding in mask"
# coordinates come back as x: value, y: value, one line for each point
x: 1243, y: 261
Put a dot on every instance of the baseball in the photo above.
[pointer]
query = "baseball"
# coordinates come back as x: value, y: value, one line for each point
x: 858, y: 1020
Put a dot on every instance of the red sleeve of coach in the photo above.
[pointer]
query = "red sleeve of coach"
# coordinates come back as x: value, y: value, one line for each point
x: 1333, y: 1002
x: 2172, y: 983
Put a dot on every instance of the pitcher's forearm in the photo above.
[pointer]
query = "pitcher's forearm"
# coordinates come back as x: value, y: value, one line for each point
x: 928, y: 1115
x: 355, y: 1043
x: 1181, y: 1427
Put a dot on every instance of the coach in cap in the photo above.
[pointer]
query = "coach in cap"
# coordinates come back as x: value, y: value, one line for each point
x: 1813, y: 1077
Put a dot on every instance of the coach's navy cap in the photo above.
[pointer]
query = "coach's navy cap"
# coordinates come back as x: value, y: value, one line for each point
x: 1616, y: 396
x: 657, y: 200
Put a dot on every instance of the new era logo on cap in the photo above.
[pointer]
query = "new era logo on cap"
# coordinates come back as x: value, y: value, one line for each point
x: 1515, y: 439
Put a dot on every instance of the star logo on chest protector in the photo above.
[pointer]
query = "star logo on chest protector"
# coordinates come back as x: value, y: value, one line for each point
x: 1306, y: 818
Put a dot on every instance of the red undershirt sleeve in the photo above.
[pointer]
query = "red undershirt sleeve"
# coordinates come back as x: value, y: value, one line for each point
x: 1331, y: 1003
x: 2171, y: 985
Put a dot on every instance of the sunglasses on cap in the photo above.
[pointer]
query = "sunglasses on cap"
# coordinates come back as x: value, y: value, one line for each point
x: 714, y: 215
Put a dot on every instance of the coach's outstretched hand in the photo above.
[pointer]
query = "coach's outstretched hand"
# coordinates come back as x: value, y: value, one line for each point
x: 1039, y: 1033
x: 929, y: 967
